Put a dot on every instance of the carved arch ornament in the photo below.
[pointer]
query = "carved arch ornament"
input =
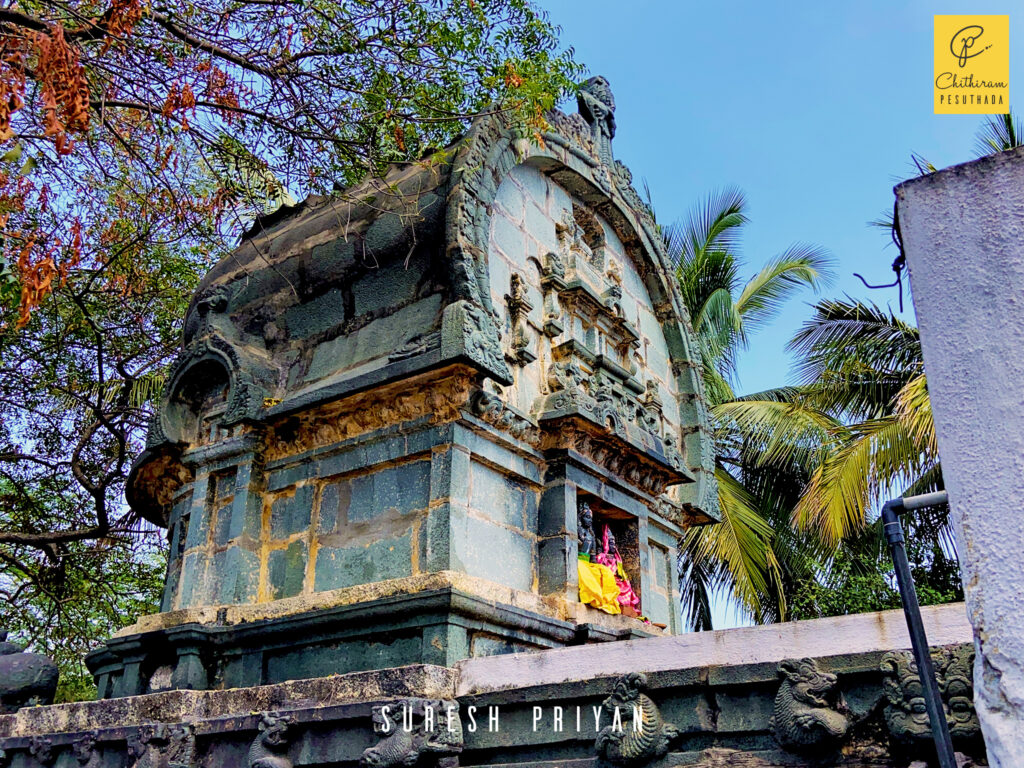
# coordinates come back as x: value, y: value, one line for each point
x: 570, y: 155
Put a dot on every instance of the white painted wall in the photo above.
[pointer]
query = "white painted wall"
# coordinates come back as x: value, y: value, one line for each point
x: 861, y: 633
x: 963, y: 235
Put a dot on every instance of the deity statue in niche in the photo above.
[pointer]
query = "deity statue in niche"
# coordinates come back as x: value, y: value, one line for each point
x: 603, y: 581
x: 610, y: 558
x: 597, y: 583
x: 585, y: 526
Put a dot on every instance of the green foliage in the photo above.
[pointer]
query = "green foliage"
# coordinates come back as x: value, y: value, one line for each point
x: 743, y: 554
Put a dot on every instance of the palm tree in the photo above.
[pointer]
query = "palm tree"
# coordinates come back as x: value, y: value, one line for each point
x: 859, y: 424
x: 859, y: 421
x: 801, y: 468
x: 736, y: 555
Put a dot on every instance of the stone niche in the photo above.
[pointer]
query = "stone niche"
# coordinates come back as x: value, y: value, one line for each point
x: 389, y: 405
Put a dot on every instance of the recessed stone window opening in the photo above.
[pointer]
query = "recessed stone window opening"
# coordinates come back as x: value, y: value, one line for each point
x: 199, y: 403
x: 593, y: 234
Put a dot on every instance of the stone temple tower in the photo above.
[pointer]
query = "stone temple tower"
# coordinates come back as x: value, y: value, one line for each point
x: 391, y: 404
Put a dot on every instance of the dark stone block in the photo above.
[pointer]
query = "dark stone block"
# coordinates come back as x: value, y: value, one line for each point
x: 316, y: 316
x: 341, y: 657
x: 25, y: 678
x: 386, y: 558
x: 287, y: 570
x: 222, y: 525
x: 557, y: 565
x: 388, y: 286
x: 240, y: 578
x: 334, y: 504
x: 557, y: 511
x: 290, y: 475
x: 291, y: 514
x: 400, y: 489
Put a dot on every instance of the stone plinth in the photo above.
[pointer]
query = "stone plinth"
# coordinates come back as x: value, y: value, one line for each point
x: 832, y: 692
x: 963, y: 235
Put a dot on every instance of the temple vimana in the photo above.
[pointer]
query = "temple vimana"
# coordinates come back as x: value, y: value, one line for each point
x: 424, y: 461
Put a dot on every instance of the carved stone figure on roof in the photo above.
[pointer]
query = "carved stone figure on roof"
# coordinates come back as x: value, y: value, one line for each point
x: 597, y: 105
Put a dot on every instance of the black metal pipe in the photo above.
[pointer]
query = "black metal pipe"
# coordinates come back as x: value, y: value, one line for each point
x: 912, y: 610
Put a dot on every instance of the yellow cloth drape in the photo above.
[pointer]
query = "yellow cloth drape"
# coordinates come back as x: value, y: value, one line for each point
x: 598, y: 587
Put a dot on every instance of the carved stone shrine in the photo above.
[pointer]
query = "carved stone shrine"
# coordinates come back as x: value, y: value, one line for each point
x: 421, y: 437
x: 389, y: 406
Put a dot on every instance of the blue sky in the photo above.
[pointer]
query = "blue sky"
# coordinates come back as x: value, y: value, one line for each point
x: 811, y: 108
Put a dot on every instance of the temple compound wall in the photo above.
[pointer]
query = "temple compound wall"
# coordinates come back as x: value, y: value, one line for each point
x: 828, y: 693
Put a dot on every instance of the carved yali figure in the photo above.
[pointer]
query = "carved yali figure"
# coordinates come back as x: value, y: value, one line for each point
x: 906, y: 714
x: 84, y: 750
x: 806, y: 715
x: 160, y: 746
x: 623, y: 743
x: 957, y: 688
x: 415, y: 729
x: 41, y: 748
x: 26, y: 679
x: 270, y: 745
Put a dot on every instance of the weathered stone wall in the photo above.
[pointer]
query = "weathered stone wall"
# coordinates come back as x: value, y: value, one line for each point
x: 963, y: 235
x: 834, y: 692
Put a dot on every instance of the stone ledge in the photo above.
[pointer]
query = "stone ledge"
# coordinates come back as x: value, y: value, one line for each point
x: 863, y: 633
x: 228, y: 615
x: 418, y: 680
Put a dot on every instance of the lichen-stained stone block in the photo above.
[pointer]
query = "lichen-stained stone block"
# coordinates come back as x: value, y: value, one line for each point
x: 290, y: 513
x: 380, y: 560
x: 286, y: 570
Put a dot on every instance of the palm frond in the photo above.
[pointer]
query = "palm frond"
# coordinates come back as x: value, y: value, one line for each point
x: 879, y: 455
x: 736, y: 553
x: 713, y: 224
x: 913, y: 408
x: 800, y: 266
x: 779, y: 432
x: 999, y: 133
x: 857, y: 354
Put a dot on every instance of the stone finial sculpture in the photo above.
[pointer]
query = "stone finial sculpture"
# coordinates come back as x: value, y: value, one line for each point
x: 806, y: 715
x: 585, y: 531
x: 597, y: 106
x: 627, y: 745
x: 269, y: 747
x: 26, y: 679
x: 412, y: 729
